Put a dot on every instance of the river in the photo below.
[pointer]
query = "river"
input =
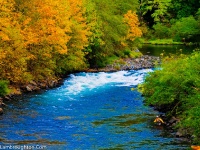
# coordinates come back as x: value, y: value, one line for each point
x: 89, y: 111
x: 156, y: 50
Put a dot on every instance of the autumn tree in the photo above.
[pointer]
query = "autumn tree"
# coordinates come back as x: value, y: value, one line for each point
x: 40, y: 39
x: 46, y: 27
x: 80, y: 32
x: 131, y: 19
x: 13, y: 57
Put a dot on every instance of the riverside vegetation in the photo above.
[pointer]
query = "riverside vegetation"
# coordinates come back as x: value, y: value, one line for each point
x: 43, y: 40
x: 175, y: 90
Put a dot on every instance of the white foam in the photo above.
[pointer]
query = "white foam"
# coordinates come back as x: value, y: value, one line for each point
x: 77, y: 83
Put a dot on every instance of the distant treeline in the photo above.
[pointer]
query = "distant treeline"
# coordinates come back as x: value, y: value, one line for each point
x: 172, y: 19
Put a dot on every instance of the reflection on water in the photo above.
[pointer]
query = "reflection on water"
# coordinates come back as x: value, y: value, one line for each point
x: 156, y: 50
x: 90, y: 111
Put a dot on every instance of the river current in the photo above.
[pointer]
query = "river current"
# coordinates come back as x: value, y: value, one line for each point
x: 89, y: 111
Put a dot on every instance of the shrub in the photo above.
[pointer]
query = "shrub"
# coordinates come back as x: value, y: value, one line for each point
x: 3, y: 88
x: 185, y: 28
x: 161, y: 31
x: 176, y: 88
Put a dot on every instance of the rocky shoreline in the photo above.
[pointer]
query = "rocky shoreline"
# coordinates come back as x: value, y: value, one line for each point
x: 31, y: 87
x: 169, y: 125
x: 142, y: 62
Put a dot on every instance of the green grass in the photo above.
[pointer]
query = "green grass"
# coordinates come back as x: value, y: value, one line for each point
x: 162, y: 42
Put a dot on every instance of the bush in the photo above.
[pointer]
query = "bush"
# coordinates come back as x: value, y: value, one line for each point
x: 185, y: 28
x: 3, y: 88
x: 161, y: 31
x: 176, y: 88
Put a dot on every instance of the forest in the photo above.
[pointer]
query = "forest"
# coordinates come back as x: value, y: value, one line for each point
x: 41, y: 40
x: 46, y: 39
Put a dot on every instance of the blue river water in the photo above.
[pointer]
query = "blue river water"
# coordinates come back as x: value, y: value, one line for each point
x: 89, y: 111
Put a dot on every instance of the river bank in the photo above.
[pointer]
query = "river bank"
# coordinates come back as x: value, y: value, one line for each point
x: 168, y: 42
x: 142, y: 62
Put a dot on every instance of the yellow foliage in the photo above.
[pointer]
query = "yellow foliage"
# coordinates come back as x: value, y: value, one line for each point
x: 131, y: 19
x: 48, y: 23
x: 80, y: 30
x: 13, y: 56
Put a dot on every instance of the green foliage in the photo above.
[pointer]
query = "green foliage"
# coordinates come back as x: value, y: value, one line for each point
x: 113, y: 30
x: 176, y: 88
x: 184, y: 8
x: 180, y: 30
x: 4, y: 88
x: 161, y: 30
x: 185, y: 27
x: 175, y: 19
x: 159, y: 9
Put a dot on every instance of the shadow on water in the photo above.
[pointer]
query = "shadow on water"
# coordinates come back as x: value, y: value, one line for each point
x: 125, y: 120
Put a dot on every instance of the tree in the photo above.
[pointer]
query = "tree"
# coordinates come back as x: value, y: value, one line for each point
x: 113, y: 29
x: 184, y: 8
x: 13, y: 56
x: 158, y: 9
x: 186, y: 28
x: 131, y: 19
x: 46, y: 29
x: 80, y: 33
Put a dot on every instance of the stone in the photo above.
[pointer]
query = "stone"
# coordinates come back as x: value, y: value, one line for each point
x: 1, y: 111
x: 52, y: 84
x: 179, y: 134
x: 28, y: 88
x: 7, y: 98
x: 33, y: 83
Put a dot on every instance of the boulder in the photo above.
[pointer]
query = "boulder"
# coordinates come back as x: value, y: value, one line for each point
x: 52, y: 83
x: 29, y: 88
x: 179, y: 134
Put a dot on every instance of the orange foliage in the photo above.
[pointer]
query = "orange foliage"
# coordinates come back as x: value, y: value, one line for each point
x: 12, y: 53
x: 35, y: 34
x: 47, y: 23
x: 131, y: 19
x: 195, y: 147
